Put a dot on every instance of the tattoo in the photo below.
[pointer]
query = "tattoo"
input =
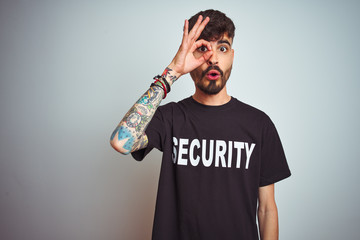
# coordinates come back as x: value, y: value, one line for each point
x: 114, y: 132
x: 149, y: 98
x: 142, y: 109
x: 149, y: 101
x: 124, y: 134
x: 144, y: 121
x: 152, y: 94
x: 166, y: 73
x: 131, y: 130
x: 141, y: 143
x: 133, y: 120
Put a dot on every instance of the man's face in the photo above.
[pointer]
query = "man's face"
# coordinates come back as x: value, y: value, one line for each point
x: 211, y: 77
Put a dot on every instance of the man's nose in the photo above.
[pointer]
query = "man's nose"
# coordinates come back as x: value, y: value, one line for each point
x: 213, y: 60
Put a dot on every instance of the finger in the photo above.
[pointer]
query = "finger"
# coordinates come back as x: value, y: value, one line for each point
x: 207, y: 55
x: 185, y: 33
x: 204, y: 58
x: 196, y: 26
x: 200, y: 43
x: 201, y: 27
x: 186, y: 28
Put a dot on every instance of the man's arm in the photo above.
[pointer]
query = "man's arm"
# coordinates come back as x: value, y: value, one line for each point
x: 129, y: 135
x: 268, y: 214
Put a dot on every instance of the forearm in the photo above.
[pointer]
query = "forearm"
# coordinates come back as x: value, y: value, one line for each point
x: 130, y: 135
x: 268, y: 223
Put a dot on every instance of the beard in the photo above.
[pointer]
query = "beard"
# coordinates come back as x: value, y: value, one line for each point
x: 213, y: 87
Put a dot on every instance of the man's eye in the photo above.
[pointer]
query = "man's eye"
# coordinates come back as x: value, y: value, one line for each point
x: 202, y: 49
x: 223, y: 49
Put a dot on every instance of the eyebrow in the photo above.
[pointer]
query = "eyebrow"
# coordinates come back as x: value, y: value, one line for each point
x: 224, y: 41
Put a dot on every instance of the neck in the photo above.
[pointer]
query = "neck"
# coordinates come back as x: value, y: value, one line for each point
x: 212, y: 100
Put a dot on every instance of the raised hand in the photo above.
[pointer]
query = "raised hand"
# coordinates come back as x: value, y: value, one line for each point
x: 184, y: 60
x: 130, y: 135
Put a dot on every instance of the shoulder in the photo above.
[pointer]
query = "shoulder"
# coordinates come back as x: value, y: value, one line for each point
x: 249, y: 111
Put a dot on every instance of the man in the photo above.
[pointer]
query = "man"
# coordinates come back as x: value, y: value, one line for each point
x: 221, y: 157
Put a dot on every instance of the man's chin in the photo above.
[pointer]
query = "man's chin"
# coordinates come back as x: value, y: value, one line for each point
x: 211, y: 89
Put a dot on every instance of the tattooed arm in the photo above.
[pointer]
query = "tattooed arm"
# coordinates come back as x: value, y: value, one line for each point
x: 129, y: 135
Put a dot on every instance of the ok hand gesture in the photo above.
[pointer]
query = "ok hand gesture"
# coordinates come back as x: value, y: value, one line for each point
x: 184, y: 60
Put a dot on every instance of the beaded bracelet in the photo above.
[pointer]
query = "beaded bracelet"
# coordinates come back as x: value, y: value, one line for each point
x: 164, y: 84
x: 163, y: 79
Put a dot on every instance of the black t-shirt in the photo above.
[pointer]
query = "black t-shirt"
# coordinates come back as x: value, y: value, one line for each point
x: 215, y: 158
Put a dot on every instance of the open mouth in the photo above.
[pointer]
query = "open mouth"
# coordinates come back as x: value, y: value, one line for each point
x: 213, y: 75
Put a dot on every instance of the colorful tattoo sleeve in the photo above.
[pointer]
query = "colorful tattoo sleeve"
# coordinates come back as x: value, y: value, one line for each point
x: 130, y: 133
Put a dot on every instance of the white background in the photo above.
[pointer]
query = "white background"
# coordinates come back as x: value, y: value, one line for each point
x: 70, y: 70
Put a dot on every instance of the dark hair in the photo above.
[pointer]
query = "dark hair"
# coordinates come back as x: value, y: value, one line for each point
x: 219, y: 25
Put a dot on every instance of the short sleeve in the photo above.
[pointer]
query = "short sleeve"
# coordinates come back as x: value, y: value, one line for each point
x: 155, y: 132
x: 274, y: 166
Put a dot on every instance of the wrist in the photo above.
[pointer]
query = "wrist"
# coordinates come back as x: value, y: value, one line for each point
x: 170, y: 75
